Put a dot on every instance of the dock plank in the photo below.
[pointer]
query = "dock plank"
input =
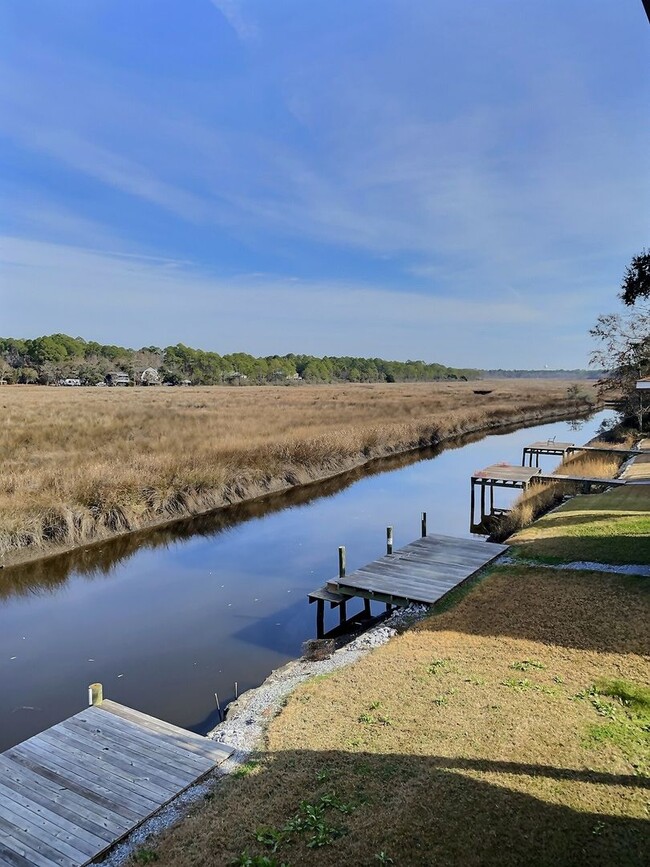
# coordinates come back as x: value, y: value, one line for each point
x: 196, y: 743
x: 423, y: 571
x: 175, y: 757
x: 69, y: 793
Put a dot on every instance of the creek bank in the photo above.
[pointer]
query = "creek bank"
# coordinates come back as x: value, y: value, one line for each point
x: 247, y: 717
x: 294, y: 477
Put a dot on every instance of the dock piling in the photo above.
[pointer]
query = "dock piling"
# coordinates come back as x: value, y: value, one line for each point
x: 424, y: 524
x: 95, y: 694
x: 389, y: 540
x: 342, y: 561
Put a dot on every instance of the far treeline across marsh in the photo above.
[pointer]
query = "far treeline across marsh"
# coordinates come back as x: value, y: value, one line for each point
x: 56, y: 358
x: 61, y: 359
x: 83, y: 464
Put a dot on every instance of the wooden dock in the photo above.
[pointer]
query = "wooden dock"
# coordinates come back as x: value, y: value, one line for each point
x: 513, y: 476
x: 530, y: 454
x: 70, y: 793
x: 422, y: 572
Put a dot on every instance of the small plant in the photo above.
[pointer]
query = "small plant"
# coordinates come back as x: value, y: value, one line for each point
x: 323, y: 775
x: 518, y: 685
x: 436, y: 666
x: 272, y: 838
x: 558, y: 679
x: 246, y: 769
x: 440, y: 700
x: 528, y: 665
x: 375, y: 705
x: 145, y: 856
x: 247, y: 860
x: 383, y: 858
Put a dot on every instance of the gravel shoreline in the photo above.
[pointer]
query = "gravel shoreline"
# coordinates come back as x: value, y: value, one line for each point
x: 247, y: 718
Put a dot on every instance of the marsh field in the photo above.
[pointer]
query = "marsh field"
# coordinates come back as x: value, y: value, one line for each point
x: 82, y: 464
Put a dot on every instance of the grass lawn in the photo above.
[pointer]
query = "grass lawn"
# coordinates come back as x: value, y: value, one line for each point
x: 613, y: 527
x: 509, y: 729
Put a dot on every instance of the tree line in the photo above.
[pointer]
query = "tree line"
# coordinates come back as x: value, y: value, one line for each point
x: 53, y: 358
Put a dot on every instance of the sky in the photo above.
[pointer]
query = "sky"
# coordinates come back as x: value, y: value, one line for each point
x: 461, y: 181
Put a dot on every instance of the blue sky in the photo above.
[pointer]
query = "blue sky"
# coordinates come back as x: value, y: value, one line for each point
x: 451, y: 180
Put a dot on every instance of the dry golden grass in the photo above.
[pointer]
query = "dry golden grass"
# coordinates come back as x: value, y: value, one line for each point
x: 539, y: 498
x: 82, y: 464
x: 470, y: 739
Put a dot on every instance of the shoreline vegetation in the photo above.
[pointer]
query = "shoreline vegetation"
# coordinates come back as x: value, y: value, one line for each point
x: 84, y: 465
x: 523, y: 702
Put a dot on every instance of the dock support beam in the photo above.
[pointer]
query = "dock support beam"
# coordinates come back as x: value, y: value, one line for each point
x: 342, y: 561
x: 423, y: 522
x: 320, y: 618
x: 389, y: 540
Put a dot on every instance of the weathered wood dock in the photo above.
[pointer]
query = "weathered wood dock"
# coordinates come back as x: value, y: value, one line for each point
x: 530, y: 454
x: 422, y: 572
x: 513, y: 476
x: 70, y: 793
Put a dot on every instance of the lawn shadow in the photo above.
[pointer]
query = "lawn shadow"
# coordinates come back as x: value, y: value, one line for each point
x: 608, y: 613
x: 419, y: 810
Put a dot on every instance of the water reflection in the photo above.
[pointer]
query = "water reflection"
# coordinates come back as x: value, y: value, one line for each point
x: 165, y: 618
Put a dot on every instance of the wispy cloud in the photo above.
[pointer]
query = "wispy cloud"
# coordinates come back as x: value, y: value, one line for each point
x: 243, y: 25
x: 89, y: 290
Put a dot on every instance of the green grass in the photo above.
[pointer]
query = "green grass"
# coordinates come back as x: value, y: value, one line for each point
x: 613, y: 527
x: 628, y: 720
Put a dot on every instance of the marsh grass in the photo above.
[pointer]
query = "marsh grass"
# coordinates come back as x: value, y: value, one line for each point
x: 84, y: 464
x: 539, y: 499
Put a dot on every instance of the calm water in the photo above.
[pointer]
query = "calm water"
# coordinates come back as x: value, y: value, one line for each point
x: 165, y: 619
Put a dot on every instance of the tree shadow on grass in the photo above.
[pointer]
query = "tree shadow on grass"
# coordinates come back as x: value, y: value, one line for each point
x: 608, y: 613
x: 421, y: 811
x: 621, y: 549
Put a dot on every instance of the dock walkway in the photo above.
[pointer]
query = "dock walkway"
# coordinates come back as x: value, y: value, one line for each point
x: 423, y: 572
x: 71, y: 792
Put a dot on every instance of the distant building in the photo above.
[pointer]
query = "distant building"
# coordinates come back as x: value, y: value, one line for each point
x: 150, y: 376
x: 70, y: 381
x: 116, y: 377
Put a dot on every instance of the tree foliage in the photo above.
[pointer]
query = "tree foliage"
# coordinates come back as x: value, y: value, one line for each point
x: 624, y: 338
x: 636, y: 281
x: 54, y: 357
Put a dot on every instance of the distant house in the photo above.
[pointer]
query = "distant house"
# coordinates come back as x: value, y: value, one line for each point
x: 117, y: 377
x: 70, y: 381
x: 235, y: 376
x: 150, y: 376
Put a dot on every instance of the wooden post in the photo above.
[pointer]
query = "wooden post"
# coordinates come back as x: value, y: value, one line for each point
x: 320, y: 618
x: 389, y: 540
x: 491, y: 499
x: 523, y: 458
x: 424, y: 524
x: 366, y: 608
x: 472, y: 505
x: 95, y: 694
x: 342, y: 612
x: 482, y: 500
x: 342, y: 561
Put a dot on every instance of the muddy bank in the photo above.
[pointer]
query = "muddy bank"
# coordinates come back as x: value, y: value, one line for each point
x: 195, y: 504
